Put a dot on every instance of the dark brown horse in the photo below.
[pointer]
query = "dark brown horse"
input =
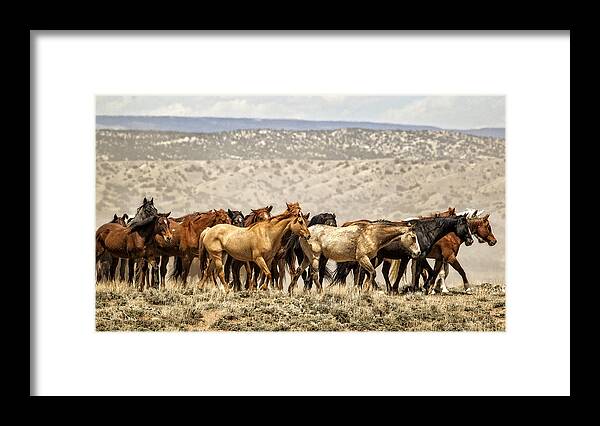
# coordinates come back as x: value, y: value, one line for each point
x: 184, y: 244
x: 133, y: 242
x: 446, y: 249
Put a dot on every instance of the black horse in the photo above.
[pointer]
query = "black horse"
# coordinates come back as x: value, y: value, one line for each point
x: 231, y: 265
x: 145, y: 211
x: 294, y: 251
x: 428, y: 231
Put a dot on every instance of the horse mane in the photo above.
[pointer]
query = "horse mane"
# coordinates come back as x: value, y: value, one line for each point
x: 143, y: 223
x: 251, y: 218
x: 277, y: 218
x: 316, y: 219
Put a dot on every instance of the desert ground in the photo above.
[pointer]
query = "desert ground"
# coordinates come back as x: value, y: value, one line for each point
x: 353, y: 173
x: 121, y: 307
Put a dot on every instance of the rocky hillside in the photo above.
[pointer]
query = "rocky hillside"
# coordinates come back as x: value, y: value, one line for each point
x: 342, y: 144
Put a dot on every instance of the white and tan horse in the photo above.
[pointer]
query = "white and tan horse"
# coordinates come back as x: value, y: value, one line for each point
x: 354, y: 243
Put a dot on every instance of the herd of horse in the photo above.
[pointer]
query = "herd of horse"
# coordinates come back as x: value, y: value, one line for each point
x: 267, y: 246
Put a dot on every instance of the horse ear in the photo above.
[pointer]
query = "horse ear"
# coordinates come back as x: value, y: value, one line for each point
x: 115, y: 217
x: 152, y: 200
x: 269, y: 209
x: 486, y: 217
x: 474, y: 214
x: 167, y: 215
x: 125, y: 216
x: 306, y: 216
x: 145, y: 201
x: 229, y: 211
x: 334, y: 215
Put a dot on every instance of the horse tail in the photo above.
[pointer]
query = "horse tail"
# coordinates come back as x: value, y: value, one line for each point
x: 328, y: 274
x: 202, y: 255
x: 394, y: 269
x: 289, y: 252
x: 342, y: 270
x: 177, y: 268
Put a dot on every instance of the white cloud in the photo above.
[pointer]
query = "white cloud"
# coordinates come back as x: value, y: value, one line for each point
x: 442, y: 111
x: 460, y: 112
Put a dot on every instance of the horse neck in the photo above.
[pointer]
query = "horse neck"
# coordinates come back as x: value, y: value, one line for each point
x: 147, y: 232
x: 435, y: 234
x: 275, y: 231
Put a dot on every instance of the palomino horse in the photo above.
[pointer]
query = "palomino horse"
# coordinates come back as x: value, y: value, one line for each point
x: 358, y: 243
x: 184, y: 244
x: 233, y: 266
x: 294, y: 254
x: 107, y: 265
x: 133, y: 242
x: 445, y: 251
x: 258, y: 243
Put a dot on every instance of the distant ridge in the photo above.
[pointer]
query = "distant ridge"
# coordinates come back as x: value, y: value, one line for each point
x: 221, y: 124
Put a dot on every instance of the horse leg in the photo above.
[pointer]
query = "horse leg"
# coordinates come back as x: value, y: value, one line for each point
x: 113, y: 267
x: 164, y: 261
x: 262, y: 264
x: 228, y: 268
x: 143, y: 271
x: 249, y: 278
x: 314, y: 272
x: 297, y: 274
x: 401, y: 272
x: 453, y: 261
x: 281, y: 266
x: 441, y: 282
x: 365, y: 262
x: 322, y: 269
x: 218, y: 260
x: 430, y: 284
x: 186, y: 262
x: 130, y: 271
x: 235, y: 270
x: 356, y: 275
x: 122, y: 267
x: 385, y: 270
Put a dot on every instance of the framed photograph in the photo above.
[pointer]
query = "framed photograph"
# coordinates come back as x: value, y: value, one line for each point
x: 273, y: 201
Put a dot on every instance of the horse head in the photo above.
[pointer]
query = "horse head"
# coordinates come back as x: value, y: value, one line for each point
x: 481, y: 228
x: 410, y: 242
x: 162, y: 228
x: 221, y: 216
x: 236, y: 216
x: 299, y: 225
x: 462, y: 229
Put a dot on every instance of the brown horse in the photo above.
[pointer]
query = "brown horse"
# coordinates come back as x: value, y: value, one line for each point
x: 184, y: 244
x: 258, y: 243
x: 446, y: 249
x: 107, y: 265
x: 133, y: 242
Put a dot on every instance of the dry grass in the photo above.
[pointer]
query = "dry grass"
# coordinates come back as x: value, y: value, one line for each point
x: 123, y: 308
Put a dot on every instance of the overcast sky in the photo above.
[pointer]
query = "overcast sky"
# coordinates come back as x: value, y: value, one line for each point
x: 456, y: 112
